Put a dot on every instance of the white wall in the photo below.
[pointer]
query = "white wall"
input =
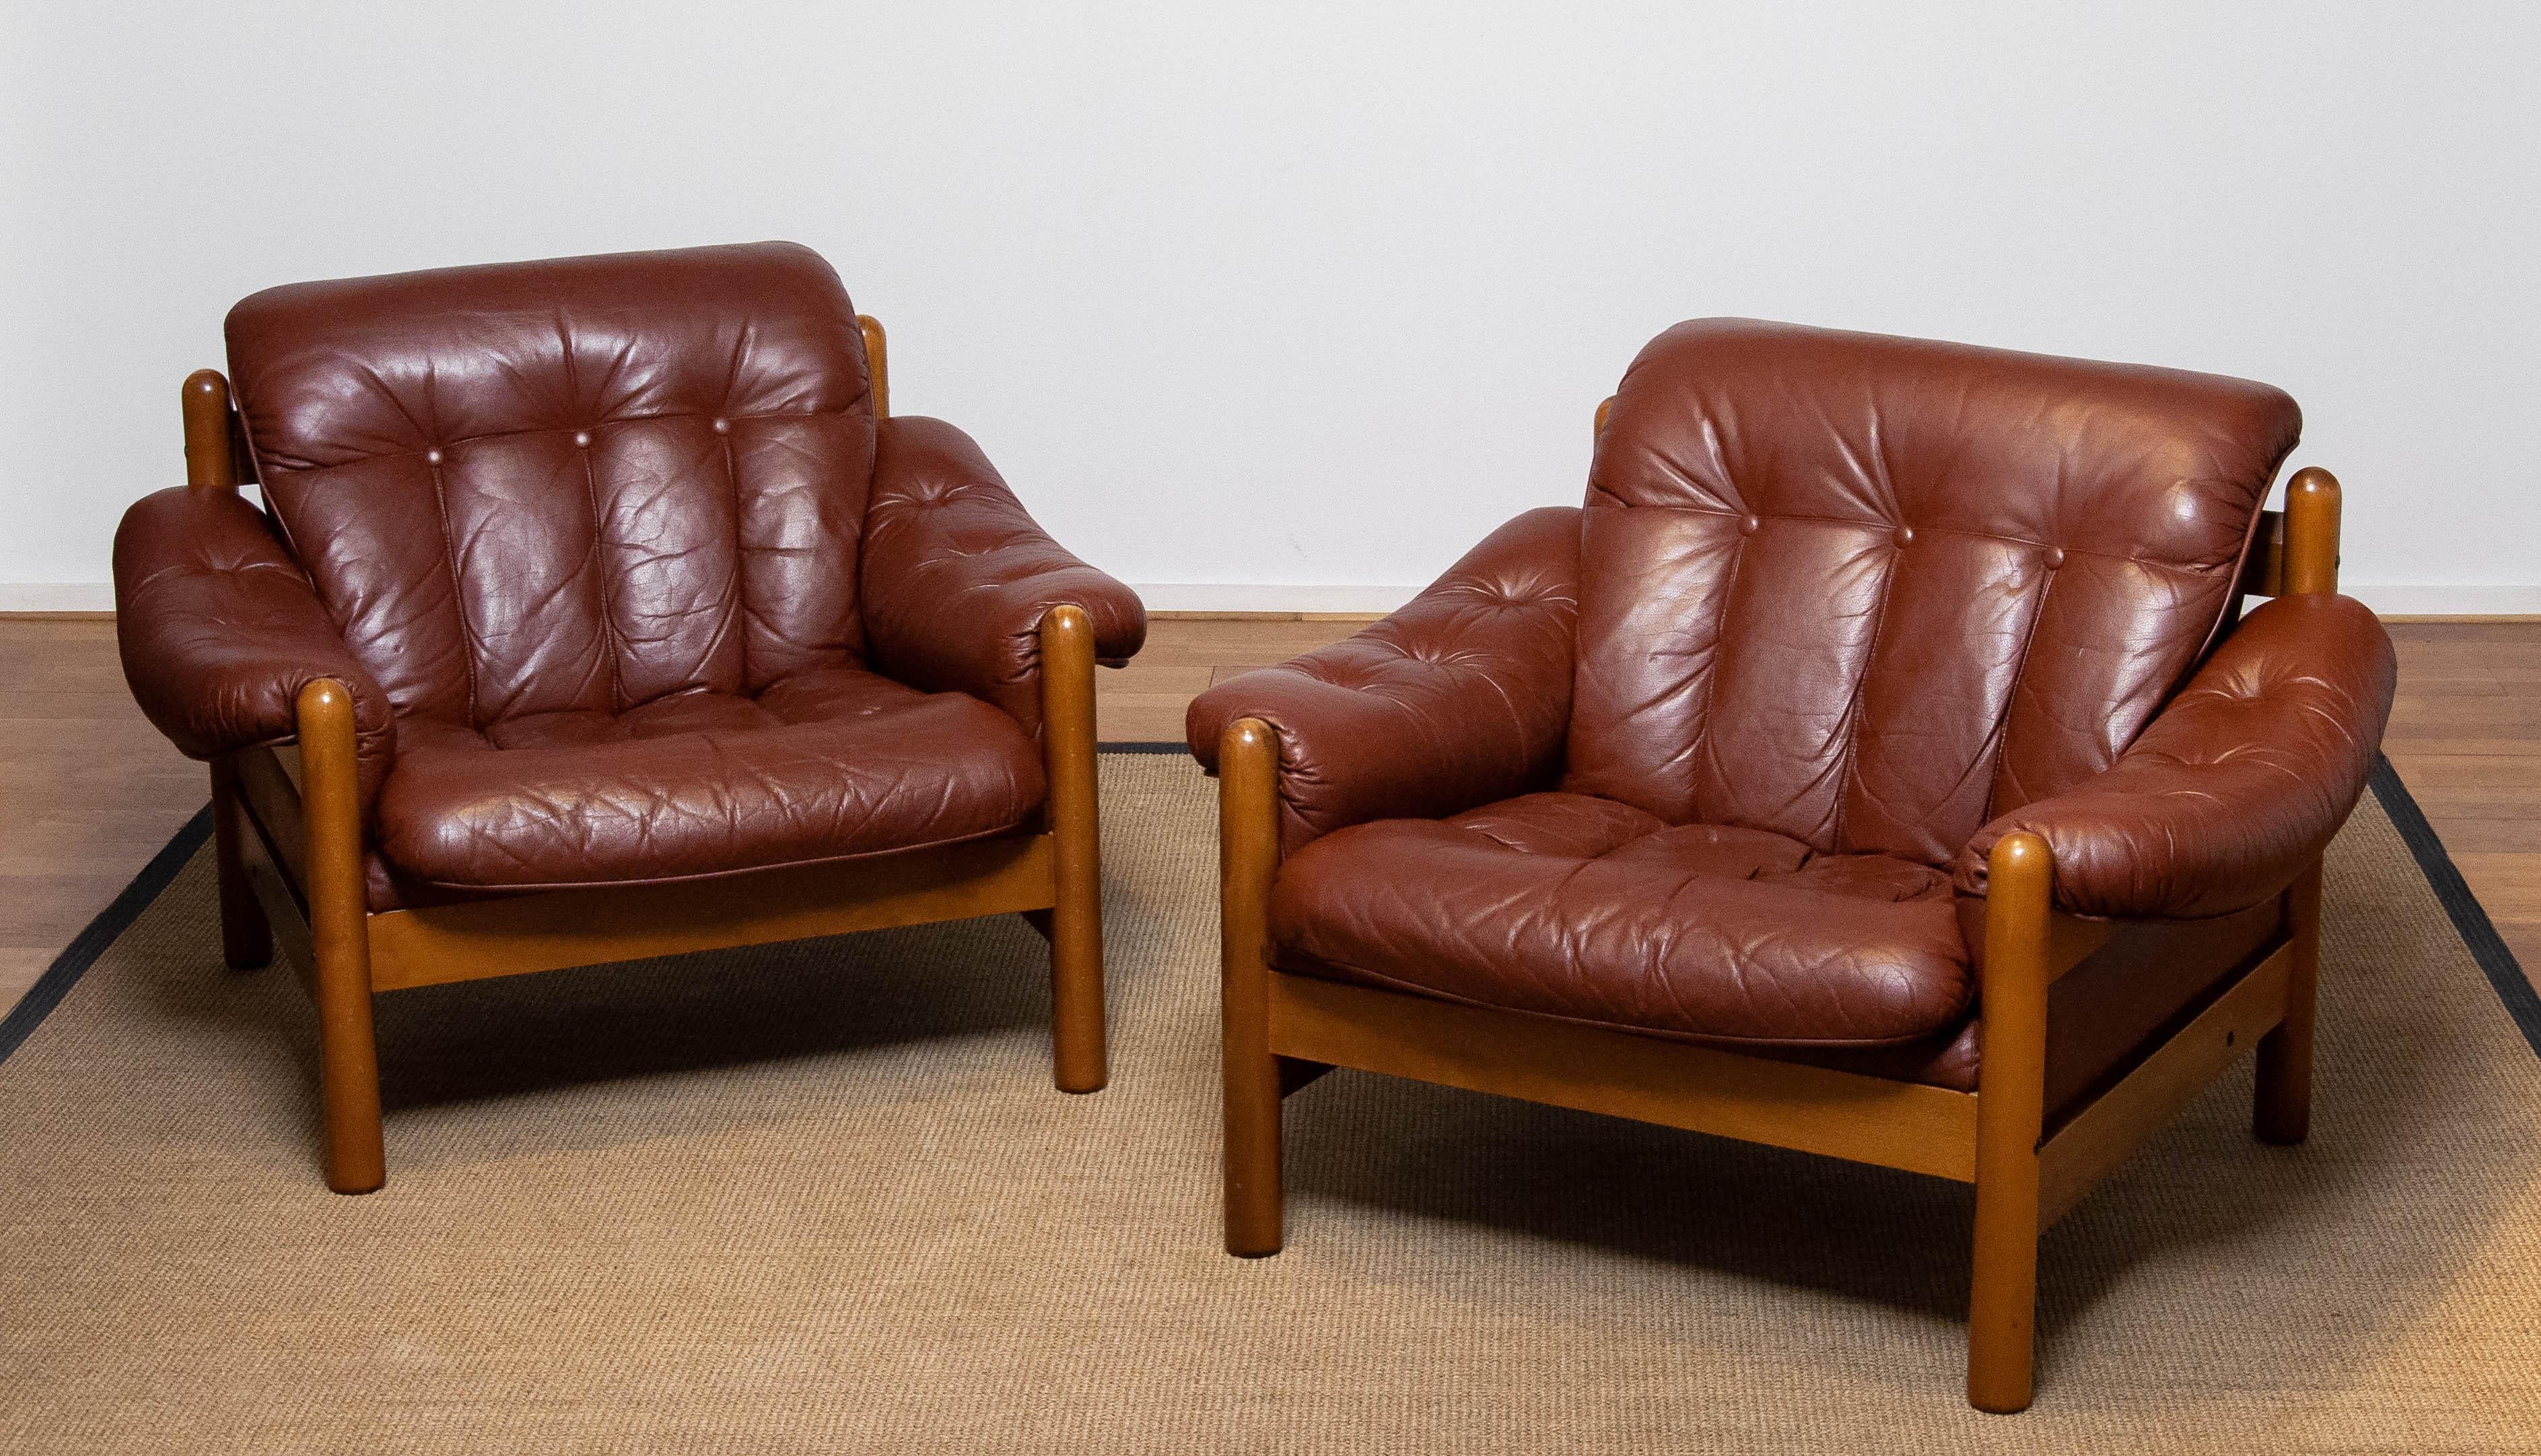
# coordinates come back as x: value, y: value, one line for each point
x: 1289, y: 303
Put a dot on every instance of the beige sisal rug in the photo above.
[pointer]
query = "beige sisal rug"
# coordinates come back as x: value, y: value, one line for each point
x: 823, y: 1197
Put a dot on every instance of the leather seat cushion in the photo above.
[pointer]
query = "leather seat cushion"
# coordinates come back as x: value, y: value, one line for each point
x: 826, y: 765
x: 1571, y: 906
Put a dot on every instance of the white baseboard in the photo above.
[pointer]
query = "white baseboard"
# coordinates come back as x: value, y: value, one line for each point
x: 2417, y: 599
x: 1256, y: 596
x: 57, y: 596
x: 2392, y: 599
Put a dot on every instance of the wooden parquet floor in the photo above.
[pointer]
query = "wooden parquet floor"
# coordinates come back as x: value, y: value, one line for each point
x: 94, y: 791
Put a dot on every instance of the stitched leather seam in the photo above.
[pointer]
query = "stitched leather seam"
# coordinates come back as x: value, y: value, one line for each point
x: 735, y: 599
x: 458, y: 602
x: 722, y: 425
x: 591, y: 493
x: 1853, y: 704
x: 1719, y: 642
x: 1850, y: 754
x: 2012, y: 700
x: 1709, y: 1038
x: 600, y: 569
x: 500, y: 890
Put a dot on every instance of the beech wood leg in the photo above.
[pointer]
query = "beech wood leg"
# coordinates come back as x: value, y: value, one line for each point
x: 1248, y: 759
x: 2281, y: 1111
x: 1076, y: 925
x: 247, y: 940
x: 2003, y: 1293
x: 348, y: 1067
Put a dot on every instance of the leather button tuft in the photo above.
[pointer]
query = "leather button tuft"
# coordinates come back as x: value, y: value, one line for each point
x: 582, y: 437
x: 1749, y: 526
x: 432, y: 457
x: 2055, y: 558
x: 1905, y: 535
x: 723, y: 427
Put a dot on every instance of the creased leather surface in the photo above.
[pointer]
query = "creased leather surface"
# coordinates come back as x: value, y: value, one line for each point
x: 586, y: 535
x: 1843, y: 602
x: 1455, y: 700
x: 827, y: 766
x: 1595, y: 910
x: 958, y: 576
x: 1870, y: 592
x: 581, y: 483
x: 219, y: 630
x: 2239, y: 783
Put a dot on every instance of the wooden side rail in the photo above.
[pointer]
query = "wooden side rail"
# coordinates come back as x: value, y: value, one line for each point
x: 307, y: 830
x: 291, y: 847
x: 2090, y: 1144
x: 301, y: 862
x: 1674, y: 1084
x: 1281, y: 1032
x: 521, y: 934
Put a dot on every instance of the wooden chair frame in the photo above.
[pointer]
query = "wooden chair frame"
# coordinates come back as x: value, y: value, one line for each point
x: 288, y: 841
x: 1282, y: 1032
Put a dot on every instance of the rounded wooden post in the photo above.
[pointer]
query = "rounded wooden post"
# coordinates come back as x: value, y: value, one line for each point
x: 348, y: 1068
x: 1067, y: 740
x: 2282, y: 1112
x: 877, y: 363
x: 2311, y: 532
x: 1248, y: 840
x: 206, y: 401
x: 247, y: 940
x: 2011, y: 1077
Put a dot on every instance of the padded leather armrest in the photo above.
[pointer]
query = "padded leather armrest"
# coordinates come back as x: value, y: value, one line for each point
x: 2237, y: 786
x: 957, y: 575
x: 219, y: 630
x: 1460, y: 699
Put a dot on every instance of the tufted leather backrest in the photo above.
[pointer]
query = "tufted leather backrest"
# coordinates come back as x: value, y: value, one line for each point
x: 583, y: 483
x: 1869, y: 592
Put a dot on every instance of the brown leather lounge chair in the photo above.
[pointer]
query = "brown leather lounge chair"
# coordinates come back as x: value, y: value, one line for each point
x: 613, y: 616
x: 1878, y: 765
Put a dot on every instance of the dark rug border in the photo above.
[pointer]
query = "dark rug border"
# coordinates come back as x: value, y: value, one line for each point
x: 2470, y: 920
x: 111, y: 921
